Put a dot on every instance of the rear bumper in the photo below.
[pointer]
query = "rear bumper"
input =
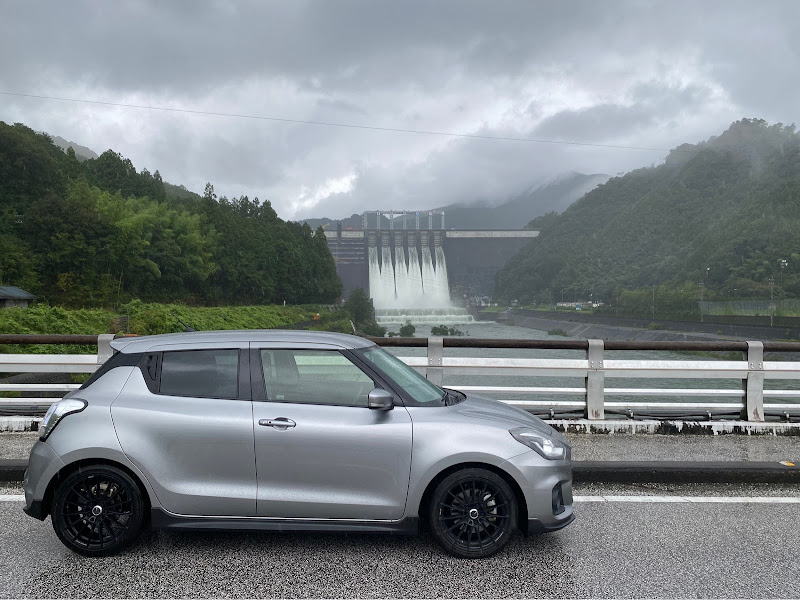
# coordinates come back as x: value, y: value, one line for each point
x: 43, y: 465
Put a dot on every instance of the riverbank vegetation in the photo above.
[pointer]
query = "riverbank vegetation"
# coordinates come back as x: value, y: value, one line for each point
x: 151, y: 319
x: 444, y: 330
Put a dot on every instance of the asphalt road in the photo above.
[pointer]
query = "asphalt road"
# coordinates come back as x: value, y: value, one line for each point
x: 614, y: 549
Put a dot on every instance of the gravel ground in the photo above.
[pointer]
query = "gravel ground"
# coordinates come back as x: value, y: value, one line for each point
x: 685, y: 447
x: 17, y: 445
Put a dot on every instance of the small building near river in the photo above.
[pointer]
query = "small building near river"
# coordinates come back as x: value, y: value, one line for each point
x: 11, y: 296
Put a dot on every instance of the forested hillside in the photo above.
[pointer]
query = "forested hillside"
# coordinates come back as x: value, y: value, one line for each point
x: 723, y: 213
x: 99, y: 233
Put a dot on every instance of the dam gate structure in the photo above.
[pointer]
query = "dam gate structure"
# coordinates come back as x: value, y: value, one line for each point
x: 408, y: 259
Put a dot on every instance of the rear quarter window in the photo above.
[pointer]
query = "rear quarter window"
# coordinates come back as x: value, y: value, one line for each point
x: 200, y: 373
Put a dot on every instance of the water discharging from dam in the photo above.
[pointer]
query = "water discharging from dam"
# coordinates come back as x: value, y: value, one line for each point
x: 413, y: 290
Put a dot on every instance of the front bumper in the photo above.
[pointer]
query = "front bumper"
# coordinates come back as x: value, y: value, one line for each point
x: 539, y: 480
x: 35, y: 510
x: 536, y: 526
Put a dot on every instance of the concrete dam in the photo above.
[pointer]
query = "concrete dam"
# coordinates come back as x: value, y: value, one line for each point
x: 418, y: 273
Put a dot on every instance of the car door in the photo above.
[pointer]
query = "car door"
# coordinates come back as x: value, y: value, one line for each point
x: 321, y: 453
x: 185, y: 419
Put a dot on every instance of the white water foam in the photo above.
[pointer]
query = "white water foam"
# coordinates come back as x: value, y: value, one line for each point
x: 412, y: 289
x: 423, y: 316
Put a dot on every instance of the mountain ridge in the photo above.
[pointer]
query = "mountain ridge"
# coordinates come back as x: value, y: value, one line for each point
x: 81, y: 152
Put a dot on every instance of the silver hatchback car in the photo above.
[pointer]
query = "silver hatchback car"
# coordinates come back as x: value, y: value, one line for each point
x: 285, y: 430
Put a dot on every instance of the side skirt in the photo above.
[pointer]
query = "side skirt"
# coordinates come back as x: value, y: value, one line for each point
x: 161, y: 519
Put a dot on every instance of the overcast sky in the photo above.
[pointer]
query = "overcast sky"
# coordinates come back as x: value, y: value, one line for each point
x: 631, y: 73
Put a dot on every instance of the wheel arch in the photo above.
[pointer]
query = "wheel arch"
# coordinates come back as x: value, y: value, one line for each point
x: 522, y: 505
x: 72, y: 467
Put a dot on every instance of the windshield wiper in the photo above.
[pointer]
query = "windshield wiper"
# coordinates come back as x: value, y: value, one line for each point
x: 445, y: 399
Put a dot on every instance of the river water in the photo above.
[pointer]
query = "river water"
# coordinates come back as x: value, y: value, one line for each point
x: 493, y: 330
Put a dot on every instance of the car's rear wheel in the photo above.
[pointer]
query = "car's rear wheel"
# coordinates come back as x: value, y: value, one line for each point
x: 97, y: 510
x: 473, y: 513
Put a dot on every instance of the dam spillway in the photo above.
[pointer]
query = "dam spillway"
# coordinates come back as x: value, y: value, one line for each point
x: 424, y: 266
x: 408, y: 278
x: 407, y: 274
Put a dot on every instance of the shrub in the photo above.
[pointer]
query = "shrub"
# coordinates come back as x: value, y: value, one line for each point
x: 557, y: 332
x: 407, y: 330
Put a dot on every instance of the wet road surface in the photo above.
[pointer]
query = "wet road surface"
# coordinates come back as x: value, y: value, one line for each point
x: 614, y: 549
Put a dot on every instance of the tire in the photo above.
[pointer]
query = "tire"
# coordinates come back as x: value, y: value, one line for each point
x: 97, y: 510
x: 473, y: 513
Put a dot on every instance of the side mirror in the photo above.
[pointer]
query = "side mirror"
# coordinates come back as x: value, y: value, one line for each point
x: 379, y: 399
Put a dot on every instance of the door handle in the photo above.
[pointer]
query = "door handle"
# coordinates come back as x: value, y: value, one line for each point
x: 279, y: 423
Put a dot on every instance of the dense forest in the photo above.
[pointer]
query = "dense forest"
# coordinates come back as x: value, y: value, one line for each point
x: 716, y: 219
x: 98, y: 233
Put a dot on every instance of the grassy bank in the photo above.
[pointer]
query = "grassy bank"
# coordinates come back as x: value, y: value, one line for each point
x: 150, y: 319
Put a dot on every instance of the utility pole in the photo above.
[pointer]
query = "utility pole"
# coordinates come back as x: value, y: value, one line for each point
x: 702, y: 287
x: 784, y: 263
x: 771, y: 300
x: 654, y: 301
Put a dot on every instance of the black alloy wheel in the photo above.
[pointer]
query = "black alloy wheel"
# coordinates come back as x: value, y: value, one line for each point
x: 473, y: 513
x: 97, y: 511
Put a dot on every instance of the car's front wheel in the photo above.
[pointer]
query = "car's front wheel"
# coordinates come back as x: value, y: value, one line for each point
x: 473, y: 513
x: 97, y: 510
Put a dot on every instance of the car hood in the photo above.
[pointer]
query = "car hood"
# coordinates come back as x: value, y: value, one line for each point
x: 485, y: 409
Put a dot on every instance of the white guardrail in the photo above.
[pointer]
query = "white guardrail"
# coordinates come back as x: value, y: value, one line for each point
x: 752, y: 371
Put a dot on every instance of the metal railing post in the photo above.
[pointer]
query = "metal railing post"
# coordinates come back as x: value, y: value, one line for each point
x: 104, y: 350
x: 434, y: 370
x: 595, y: 381
x: 754, y: 387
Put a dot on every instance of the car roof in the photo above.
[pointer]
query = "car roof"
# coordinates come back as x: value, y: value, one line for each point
x: 132, y: 345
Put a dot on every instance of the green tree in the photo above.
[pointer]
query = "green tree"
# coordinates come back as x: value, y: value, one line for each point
x: 360, y: 307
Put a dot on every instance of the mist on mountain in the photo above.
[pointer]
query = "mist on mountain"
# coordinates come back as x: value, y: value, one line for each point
x: 553, y: 195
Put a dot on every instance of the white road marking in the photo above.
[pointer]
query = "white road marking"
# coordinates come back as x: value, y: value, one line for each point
x: 12, y: 497
x: 693, y: 499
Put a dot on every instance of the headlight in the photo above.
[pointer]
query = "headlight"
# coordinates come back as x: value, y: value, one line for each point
x: 57, y: 411
x: 543, y: 444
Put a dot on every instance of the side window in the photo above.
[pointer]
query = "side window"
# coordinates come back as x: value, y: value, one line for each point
x: 200, y: 373
x: 314, y: 377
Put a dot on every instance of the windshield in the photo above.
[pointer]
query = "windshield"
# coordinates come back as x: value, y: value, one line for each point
x: 415, y: 385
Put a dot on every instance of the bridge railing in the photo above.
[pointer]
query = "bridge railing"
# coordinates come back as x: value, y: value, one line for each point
x: 755, y: 403
x: 596, y: 367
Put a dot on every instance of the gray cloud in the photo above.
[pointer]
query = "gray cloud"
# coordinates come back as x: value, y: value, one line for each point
x: 651, y: 103
x: 636, y: 72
